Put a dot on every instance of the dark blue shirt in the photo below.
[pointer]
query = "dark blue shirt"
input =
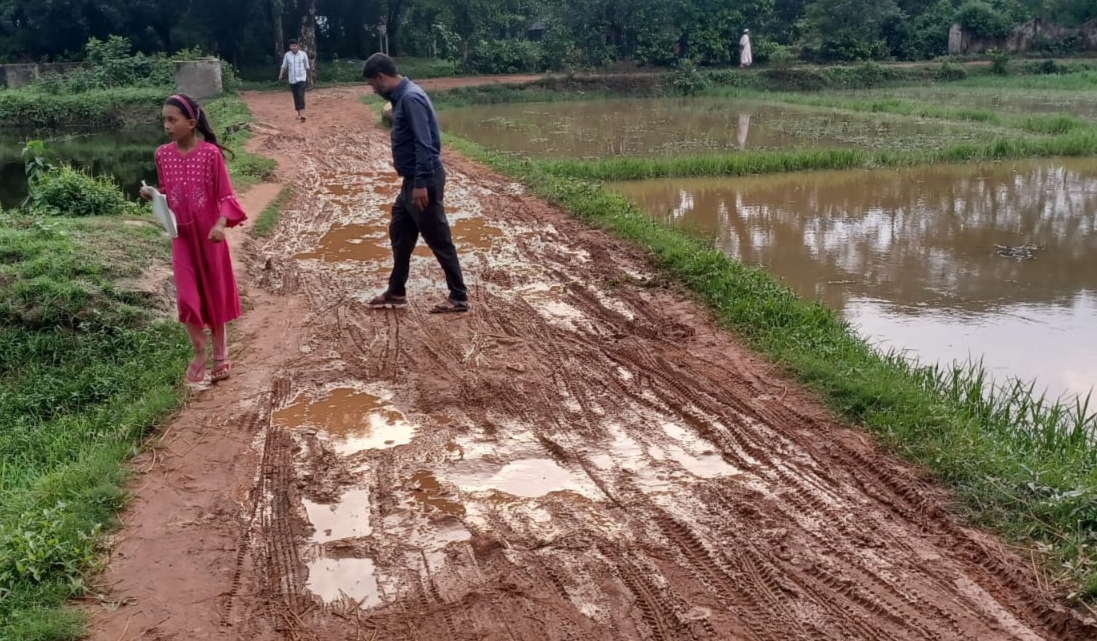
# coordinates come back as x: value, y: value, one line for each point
x: 416, y: 141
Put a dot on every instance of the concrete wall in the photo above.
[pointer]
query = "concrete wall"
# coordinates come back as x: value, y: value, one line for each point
x: 21, y: 75
x: 200, y: 79
x: 1023, y: 38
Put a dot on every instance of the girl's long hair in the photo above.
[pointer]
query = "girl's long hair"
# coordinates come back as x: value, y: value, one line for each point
x: 189, y: 107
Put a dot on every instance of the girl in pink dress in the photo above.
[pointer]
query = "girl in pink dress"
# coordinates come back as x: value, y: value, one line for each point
x: 195, y: 180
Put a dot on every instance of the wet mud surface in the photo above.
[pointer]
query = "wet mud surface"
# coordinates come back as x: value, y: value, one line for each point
x: 583, y: 456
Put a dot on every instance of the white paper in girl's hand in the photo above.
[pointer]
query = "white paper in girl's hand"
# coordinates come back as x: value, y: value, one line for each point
x: 160, y: 209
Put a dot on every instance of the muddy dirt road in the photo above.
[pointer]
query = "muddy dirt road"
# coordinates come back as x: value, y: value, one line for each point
x: 582, y: 457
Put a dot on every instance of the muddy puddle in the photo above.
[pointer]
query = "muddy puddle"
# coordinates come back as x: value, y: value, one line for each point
x: 353, y: 420
x: 357, y: 210
x: 997, y: 262
x: 664, y: 127
x: 334, y: 580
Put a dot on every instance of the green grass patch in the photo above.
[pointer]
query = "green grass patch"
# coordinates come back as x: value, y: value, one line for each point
x: 766, y: 162
x: 231, y: 117
x: 87, y: 367
x: 31, y: 109
x: 268, y: 220
x: 1021, y: 466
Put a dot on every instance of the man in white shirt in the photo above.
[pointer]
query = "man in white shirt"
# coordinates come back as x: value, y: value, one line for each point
x: 296, y: 64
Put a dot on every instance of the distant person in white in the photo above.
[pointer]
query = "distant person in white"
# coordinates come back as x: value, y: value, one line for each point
x: 745, y: 59
x: 296, y: 63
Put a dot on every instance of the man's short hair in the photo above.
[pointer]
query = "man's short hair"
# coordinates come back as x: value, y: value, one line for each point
x: 379, y: 64
x: 292, y: 42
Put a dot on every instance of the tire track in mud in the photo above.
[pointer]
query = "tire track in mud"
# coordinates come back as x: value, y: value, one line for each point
x: 566, y: 356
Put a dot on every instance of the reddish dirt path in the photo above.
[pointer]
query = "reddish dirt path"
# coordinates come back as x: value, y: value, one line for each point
x: 583, y: 457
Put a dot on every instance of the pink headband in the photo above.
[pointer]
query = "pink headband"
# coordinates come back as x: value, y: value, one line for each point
x: 186, y: 107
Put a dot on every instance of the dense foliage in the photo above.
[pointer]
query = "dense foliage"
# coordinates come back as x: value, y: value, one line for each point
x: 523, y: 35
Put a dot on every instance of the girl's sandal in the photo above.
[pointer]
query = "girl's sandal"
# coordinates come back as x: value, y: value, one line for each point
x: 222, y: 369
x: 196, y: 371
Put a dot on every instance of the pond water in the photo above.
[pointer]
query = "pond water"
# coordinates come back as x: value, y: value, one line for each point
x: 666, y: 127
x: 127, y: 156
x: 911, y: 257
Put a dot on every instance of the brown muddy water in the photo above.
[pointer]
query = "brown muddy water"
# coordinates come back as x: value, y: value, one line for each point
x: 665, y: 127
x: 913, y: 258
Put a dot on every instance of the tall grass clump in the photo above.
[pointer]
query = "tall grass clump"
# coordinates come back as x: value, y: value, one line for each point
x: 766, y: 162
x: 1015, y: 462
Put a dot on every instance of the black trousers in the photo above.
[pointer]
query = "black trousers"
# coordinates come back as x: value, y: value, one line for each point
x: 409, y: 222
x: 298, y: 89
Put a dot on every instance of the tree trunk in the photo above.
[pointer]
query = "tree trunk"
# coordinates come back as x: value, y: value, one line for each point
x: 308, y: 32
x: 275, y: 7
x: 392, y: 25
x: 163, y: 31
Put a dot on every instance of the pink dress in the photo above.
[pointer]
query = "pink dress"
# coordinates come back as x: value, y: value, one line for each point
x: 199, y: 192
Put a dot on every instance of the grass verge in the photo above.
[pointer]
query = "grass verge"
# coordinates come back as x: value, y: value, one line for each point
x: 268, y: 220
x: 1021, y: 467
x: 90, y: 362
x: 87, y: 368
x: 231, y: 116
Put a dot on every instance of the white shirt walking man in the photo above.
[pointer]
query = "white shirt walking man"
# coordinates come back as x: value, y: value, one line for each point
x: 745, y: 59
x: 296, y: 64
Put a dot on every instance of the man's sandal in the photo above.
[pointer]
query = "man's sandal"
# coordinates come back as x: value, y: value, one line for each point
x: 450, y: 306
x: 388, y: 301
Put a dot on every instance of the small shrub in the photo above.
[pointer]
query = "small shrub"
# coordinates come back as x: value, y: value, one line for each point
x: 35, y: 160
x: 999, y: 62
x: 65, y: 191
x: 41, y: 544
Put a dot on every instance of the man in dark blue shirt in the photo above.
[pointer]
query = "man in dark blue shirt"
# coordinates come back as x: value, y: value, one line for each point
x: 416, y: 155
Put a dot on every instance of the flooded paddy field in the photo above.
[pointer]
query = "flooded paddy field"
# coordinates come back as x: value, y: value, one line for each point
x: 1082, y: 104
x: 995, y: 261
x: 672, y: 127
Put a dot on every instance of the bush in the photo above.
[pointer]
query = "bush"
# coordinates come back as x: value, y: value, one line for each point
x: 999, y: 62
x: 949, y: 72
x: 505, y: 56
x: 101, y: 109
x: 111, y: 65
x: 1061, y: 47
x: 65, y: 191
x: 983, y: 20
x: 780, y: 57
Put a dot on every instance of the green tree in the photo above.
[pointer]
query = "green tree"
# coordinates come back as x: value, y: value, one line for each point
x: 851, y: 30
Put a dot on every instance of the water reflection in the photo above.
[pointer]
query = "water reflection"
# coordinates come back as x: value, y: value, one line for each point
x: 127, y: 156
x: 909, y: 255
x: 665, y: 127
x: 741, y: 129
